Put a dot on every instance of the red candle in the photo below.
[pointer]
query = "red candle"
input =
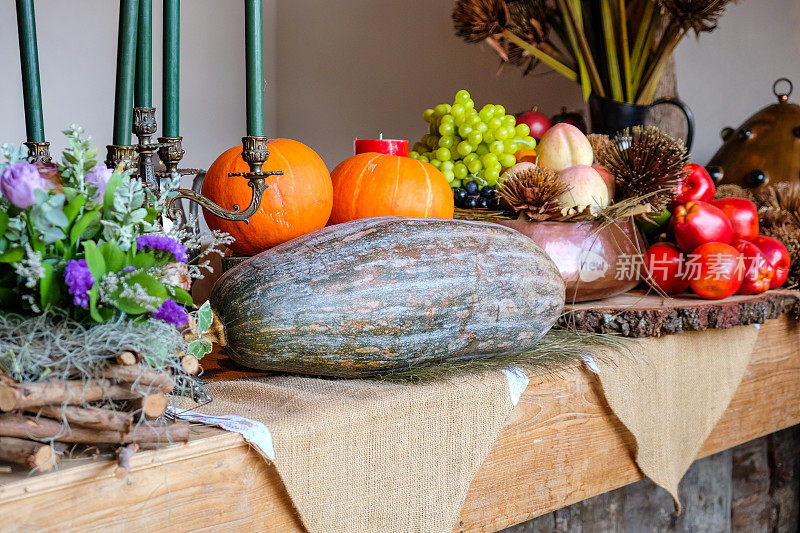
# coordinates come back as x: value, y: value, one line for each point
x: 381, y: 146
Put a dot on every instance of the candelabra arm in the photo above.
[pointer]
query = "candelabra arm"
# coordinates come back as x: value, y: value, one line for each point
x: 257, y: 183
x: 255, y: 154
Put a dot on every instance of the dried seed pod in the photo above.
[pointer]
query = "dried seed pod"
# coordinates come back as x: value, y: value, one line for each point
x: 532, y: 191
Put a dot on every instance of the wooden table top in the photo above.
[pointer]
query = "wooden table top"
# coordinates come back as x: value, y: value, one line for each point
x: 562, y: 445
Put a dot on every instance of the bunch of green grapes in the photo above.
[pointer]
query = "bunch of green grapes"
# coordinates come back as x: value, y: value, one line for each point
x: 470, y: 145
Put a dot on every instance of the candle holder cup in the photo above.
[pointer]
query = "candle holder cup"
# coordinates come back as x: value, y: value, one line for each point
x: 38, y: 151
x: 255, y: 154
x: 120, y: 155
x: 170, y: 151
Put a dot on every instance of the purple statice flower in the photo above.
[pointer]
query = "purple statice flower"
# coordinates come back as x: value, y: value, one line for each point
x: 19, y: 180
x: 163, y: 243
x: 129, y: 269
x: 79, y: 280
x: 99, y: 176
x: 171, y: 312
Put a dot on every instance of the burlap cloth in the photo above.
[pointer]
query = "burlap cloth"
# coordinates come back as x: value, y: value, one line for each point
x: 368, y: 456
x: 364, y: 456
x: 671, y: 394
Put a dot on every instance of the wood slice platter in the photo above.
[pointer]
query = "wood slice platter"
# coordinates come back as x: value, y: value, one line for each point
x: 639, y: 314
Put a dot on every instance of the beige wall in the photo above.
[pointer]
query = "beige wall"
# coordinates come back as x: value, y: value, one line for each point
x: 355, y: 68
x: 77, y: 54
x: 727, y: 76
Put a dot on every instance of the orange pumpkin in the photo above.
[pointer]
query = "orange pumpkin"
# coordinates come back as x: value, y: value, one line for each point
x: 376, y: 185
x: 295, y: 203
x: 526, y: 155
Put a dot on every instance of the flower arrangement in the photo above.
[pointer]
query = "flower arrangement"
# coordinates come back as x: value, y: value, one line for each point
x: 89, y: 242
x: 610, y: 47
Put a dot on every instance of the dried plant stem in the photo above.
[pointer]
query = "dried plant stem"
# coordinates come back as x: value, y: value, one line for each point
x: 88, y: 417
x: 572, y: 23
x: 640, y: 48
x: 15, y: 396
x: 551, y: 62
x: 672, y: 36
x: 625, y: 48
x: 190, y: 364
x: 27, y: 427
x: 144, y: 377
x: 611, y: 51
x: 28, y: 453
x: 492, y: 42
x: 586, y: 83
x: 127, y: 358
x: 642, y: 61
x: 151, y: 405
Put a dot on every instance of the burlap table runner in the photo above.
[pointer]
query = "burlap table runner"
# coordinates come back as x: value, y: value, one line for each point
x: 364, y: 456
x: 672, y: 393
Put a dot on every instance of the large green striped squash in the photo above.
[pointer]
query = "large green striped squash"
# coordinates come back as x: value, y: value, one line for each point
x: 381, y: 294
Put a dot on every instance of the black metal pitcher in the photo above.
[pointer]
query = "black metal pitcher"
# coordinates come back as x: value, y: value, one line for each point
x: 609, y: 116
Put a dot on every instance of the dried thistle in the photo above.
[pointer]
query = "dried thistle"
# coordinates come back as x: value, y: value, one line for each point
x: 599, y: 143
x: 528, y: 20
x: 780, y: 205
x: 729, y: 190
x: 532, y: 191
x: 479, y: 20
x: 699, y: 15
x: 645, y: 162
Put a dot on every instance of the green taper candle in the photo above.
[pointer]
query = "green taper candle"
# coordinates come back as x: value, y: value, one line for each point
x: 126, y: 54
x: 143, y: 84
x: 254, y: 68
x: 29, y: 59
x: 172, y: 67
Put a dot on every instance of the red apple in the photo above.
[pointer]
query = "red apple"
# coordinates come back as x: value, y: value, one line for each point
x: 696, y: 186
x: 719, y: 273
x: 664, y: 262
x: 537, y: 122
x: 758, y: 272
x: 777, y: 255
x: 697, y: 223
x: 743, y: 215
x: 573, y: 118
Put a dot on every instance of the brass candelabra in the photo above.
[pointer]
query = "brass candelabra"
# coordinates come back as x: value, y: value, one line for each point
x: 170, y: 151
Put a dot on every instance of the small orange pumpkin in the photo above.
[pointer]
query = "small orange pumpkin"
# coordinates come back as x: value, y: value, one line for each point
x: 295, y: 203
x: 376, y: 185
x: 526, y: 155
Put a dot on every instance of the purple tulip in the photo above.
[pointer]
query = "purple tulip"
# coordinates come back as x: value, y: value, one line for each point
x: 18, y: 181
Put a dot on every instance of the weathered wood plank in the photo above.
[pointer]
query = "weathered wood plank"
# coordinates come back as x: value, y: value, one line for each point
x: 752, y: 487
x: 562, y: 445
x: 565, y: 428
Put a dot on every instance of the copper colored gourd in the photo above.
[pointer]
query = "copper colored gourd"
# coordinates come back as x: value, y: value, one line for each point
x: 765, y: 149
